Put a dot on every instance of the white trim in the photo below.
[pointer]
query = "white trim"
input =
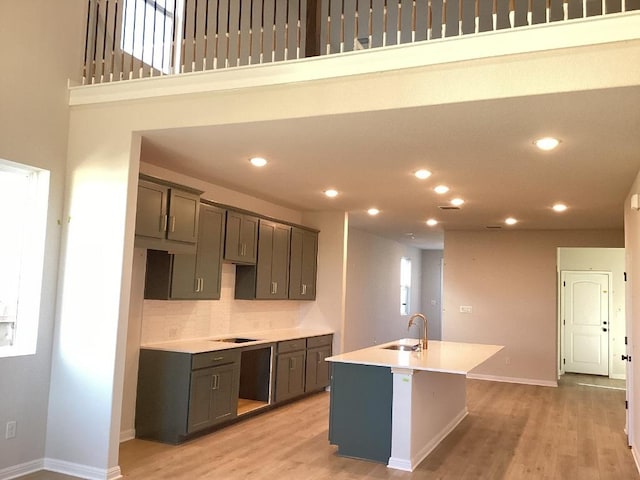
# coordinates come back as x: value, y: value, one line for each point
x: 82, y: 471
x: 635, y: 455
x: 523, y: 381
x: 536, y: 38
x: 16, y: 471
x: 127, y: 435
x: 618, y: 376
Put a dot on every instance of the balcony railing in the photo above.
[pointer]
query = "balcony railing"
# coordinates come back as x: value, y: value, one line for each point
x: 128, y: 39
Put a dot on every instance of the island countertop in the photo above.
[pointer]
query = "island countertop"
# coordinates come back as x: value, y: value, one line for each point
x: 446, y: 357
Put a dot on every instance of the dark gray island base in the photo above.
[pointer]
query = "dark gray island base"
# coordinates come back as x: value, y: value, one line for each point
x: 360, y: 411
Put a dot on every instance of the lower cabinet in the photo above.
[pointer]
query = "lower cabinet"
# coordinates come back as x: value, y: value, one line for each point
x: 290, y: 369
x: 180, y: 394
x: 301, y: 367
x: 317, y: 372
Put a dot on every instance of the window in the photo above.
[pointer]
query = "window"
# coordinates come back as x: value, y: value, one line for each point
x: 23, y: 208
x: 148, y: 29
x: 405, y: 285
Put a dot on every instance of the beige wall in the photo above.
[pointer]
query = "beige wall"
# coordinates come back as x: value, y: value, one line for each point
x: 34, y: 123
x: 373, y: 290
x: 432, y: 291
x: 509, y: 280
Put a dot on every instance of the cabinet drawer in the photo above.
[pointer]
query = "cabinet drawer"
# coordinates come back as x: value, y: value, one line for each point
x: 319, y: 341
x: 292, y: 345
x: 211, y: 359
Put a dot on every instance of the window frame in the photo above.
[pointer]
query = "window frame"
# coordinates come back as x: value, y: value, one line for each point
x: 27, y: 310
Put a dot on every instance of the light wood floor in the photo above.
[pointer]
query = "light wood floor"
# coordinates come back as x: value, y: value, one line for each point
x: 512, y: 432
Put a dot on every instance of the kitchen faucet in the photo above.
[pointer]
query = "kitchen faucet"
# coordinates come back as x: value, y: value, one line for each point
x: 423, y: 340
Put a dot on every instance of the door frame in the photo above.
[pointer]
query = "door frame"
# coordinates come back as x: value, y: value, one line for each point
x: 561, y: 326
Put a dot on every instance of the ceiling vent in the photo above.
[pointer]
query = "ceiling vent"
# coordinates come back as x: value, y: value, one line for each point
x: 494, y: 227
x: 448, y: 207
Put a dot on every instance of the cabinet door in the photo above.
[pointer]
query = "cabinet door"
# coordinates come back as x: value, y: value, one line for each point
x: 290, y: 375
x: 240, y: 238
x: 184, y: 208
x: 272, y: 275
x: 213, y: 396
x: 304, y: 253
x: 151, y: 210
x: 198, y: 276
x: 317, y: 370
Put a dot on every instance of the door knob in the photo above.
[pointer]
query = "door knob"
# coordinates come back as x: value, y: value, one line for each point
x: 604, y: 329
x: 626, y: 357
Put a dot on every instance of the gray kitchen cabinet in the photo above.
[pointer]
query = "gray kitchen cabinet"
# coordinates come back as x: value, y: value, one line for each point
x: 269, y: 278
x: 180, y: 394
x: 190, y: 276
x: 290, y: 369
x: 166, y: 216
x: 317, y: 374
x: 303, y: 264
x: 241, y: 238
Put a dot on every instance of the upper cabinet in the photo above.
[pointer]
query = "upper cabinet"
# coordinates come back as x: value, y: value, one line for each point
x: 269, y: 278
x: 303, y: 264
x: 241, y: 239
x: 166, y: 216
x: 190, y: 276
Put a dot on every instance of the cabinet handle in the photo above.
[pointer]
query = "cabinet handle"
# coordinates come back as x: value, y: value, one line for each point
x: 292, y: 363
x: 197, y: 287
x: 217, y: 359
x: 244, y: 249
x: 240, y: 249
x: 173, y: 223
x: 163, y: 223
x: 216, y: 382
x: 202, y: 284
x: 274, y: 288
x: 304, y: 289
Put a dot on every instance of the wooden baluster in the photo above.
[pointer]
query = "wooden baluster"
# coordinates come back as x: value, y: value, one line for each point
x: 116, y: 47
x: 211, y: 29
x: 377, y: 23
x: 256, y: 32
x: 422, y: 20
x: 268, y: 14
x: 297, y: 23
x: 233, y: 34
x: 222, y: 40
x: 362, y: 28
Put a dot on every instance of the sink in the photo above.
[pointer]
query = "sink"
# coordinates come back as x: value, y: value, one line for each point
x: 402, y: 348
x: 236, y: 340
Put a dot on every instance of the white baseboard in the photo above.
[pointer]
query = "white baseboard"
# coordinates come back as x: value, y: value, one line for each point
x: 82, y: 471
x: 16, y: 471
x: 635, y: 456
x: 126, y: 435
x: 618, y: 376
x: 429, y: 447
x: 523, y: 381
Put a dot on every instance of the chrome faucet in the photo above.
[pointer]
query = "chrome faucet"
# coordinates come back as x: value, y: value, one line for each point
x: 423, y: 340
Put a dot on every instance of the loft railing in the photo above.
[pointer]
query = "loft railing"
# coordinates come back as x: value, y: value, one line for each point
x: 128, y: 39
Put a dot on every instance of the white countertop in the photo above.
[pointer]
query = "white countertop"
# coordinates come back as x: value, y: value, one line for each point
x: 211, y: 344
x: 447, y: 357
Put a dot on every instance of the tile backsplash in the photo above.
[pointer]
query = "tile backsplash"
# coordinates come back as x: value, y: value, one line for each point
x: 167, y: 320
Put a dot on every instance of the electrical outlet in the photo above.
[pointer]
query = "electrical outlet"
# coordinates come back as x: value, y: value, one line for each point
x: 10, y: 431
x: 466, y: 309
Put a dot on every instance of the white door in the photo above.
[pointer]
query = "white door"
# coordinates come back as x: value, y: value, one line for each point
x: 586, y: 322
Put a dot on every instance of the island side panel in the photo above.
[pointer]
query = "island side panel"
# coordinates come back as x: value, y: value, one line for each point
x: 361, y: 411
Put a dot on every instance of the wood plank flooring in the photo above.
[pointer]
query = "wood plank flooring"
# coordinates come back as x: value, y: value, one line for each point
x: 512, y: 432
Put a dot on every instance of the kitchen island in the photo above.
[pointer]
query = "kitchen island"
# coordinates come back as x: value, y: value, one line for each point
x: 395, y: 406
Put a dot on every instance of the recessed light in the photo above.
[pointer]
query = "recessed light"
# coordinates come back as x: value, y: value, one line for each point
x: 546, y: 143
x: 432, y: 222
x: 511, y: 221
x: 373, y: 211
x: 559, y: 207
x: 331, y: 193
x: 456, y: 202
x: 422, y: 174
x: 441, y: 189
x: 258, y: 161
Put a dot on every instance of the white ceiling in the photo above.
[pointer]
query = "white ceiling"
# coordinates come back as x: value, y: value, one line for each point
x: 482, y: 150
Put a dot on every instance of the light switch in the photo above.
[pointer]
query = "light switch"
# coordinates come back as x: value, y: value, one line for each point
x: 466, y: 309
